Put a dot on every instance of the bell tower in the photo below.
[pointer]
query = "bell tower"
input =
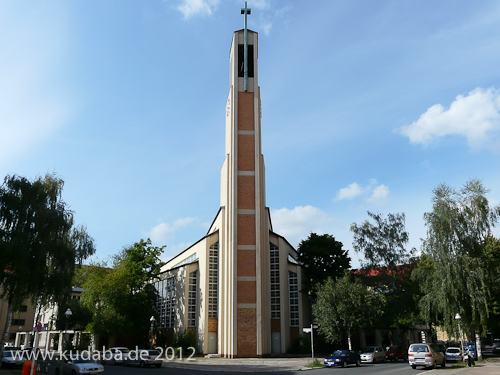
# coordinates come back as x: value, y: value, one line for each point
x: 244, y: 321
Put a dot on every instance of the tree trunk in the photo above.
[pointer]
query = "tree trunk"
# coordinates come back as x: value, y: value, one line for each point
x: 478, y: 347
x: 8, y: 322
x: 349, y: 341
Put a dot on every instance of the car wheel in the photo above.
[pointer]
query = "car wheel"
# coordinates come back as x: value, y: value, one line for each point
x: 73, y: 372
x: 414, y: 367
x: 358, y: 363
x: 434, y: 364
x: 142, y: 364
x: 443, y: 365
x: 158, y: 365
x: 343, y: 364
x: 58, y: 371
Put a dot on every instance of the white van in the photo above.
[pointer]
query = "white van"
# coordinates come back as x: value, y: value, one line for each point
x: 426, y: 355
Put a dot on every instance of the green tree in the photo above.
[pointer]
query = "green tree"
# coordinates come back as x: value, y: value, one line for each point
x: 384, y: 246
x: 342, y: 306
x: 122, y: 298
x: 458, y: 236
x: 38, y: 244
x: 321, y: 257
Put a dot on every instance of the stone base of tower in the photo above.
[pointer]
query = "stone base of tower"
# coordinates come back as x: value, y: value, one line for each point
x: 247, y: 332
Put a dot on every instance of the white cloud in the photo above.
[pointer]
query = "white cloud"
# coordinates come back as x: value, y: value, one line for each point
x: 296, y: 224
x: 373, y: 193
x: 191, y: 8
x: 164, y: 232
x: 475, y: 116
x: 350, y: 192
x: 379, y: 195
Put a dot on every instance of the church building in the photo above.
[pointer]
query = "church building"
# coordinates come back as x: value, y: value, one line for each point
x: 238, y: 287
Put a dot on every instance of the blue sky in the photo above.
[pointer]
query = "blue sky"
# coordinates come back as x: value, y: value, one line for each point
x: 366, y: 106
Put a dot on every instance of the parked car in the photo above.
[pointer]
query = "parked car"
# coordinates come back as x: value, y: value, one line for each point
x: 372, y: 354
x: 343, y: 357
x: 426, y: 355
x: 11, y: 358
x: 395, y: 353
x: 453, y: 354
x: 143, y: 358
x: 79, y: 365
x: 472, y: 349
x: 495, y: 348
x: 115, y: 355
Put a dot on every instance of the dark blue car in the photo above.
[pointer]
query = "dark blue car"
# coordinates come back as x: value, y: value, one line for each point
x: 343, y: 357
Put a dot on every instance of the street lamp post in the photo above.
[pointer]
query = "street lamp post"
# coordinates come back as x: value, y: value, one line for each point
x: 67, y: 314
x: 152, y: 320
x: 457, y: 318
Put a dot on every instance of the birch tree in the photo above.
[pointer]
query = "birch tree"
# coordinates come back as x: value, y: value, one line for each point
x: 459, y: 230
x: 343, y: 306
x: 38, y: 244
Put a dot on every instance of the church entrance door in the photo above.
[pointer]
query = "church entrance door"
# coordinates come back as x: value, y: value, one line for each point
x: 276, y: 337
x: 212, y: 342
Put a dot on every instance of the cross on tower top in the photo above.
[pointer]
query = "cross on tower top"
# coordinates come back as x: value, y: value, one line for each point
x: 246, y: 11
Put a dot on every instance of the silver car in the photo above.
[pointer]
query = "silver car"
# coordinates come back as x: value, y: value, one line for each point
x: 144, y: 357
x: 79, y: 365
x: 12, y: 358
x: 116, y: 355
x: 425, y: 355
x: 372, y: 354
x: 453, y: 354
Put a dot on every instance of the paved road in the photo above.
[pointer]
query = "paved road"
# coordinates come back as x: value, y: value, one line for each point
x: 401, y: 368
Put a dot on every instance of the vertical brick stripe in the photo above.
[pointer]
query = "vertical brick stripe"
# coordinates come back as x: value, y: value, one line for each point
x: 246, y: 263
x: 246, y: 232
x: 245, y: 111
x: 246, y: 192
x: 247, y: 333
x: 246, y: 152
x: 247, y: 292
x: 246, y: 229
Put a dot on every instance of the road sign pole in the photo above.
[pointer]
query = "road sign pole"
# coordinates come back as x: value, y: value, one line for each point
x: 312, y: 342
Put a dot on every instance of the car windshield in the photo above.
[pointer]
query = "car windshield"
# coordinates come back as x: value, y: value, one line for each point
x: 154, y: 352
x: 419, y: 348
x: 81, y: 360
x: 7, y: 353
x: 340, y: 352
x: 453, y: 350
x: 123, y: 350
x: 370, y: 349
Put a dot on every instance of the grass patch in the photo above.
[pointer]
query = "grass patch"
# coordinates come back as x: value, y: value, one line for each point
x: 315, y: 363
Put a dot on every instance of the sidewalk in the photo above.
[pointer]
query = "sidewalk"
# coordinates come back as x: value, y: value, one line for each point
x: 299, y: 364
x: 492, y: 367
x: 243, y: 364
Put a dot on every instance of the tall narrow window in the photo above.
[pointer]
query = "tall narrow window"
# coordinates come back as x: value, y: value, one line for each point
x: 165, y: 304
x: 294, y: 298
x: 275, y: 281
x: 213, y: 281
x: 193, y: 281
x: 170, y: 302
x: 160, y: 303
